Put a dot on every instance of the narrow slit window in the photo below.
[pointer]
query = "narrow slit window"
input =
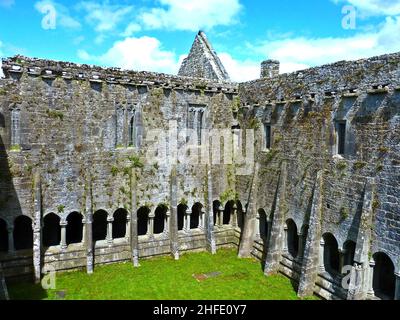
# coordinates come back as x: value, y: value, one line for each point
x: 132, y: 132
x: 267, y: 131
x: 15, y: 128
x: 341, y: 137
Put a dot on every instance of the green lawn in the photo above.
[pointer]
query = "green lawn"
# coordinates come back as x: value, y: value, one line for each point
x: 166, y: 279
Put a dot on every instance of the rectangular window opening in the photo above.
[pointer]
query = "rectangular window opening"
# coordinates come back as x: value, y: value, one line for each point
x: 267, y: 131
x: 341, y: 132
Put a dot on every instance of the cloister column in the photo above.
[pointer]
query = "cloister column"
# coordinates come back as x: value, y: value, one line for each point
x: 173, y: 221
x: 37, y: 228
x: 397, y: 291
x: 89, y: 230
x: 234, y: 221
x: 371, y: 277
x: 257, y: 226
x: 188, y: 214
x: 202, y: 224
x: 285, y: 239
x: 128, y: 228
x: 220, y: 219
x: 321, y: 255
x: 166, y: 223
x: 63, y: 244
x: 109, y: 237
x: 150, y: 228
x: 134, y: 240
x: 11, y: 247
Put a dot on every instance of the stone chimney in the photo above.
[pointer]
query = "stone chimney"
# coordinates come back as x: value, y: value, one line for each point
x: 269, y: 68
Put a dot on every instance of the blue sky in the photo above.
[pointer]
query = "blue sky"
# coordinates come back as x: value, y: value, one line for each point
x: 155, y: 35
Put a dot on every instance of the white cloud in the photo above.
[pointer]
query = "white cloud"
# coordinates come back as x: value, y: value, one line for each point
x: 300, y: 53
x: 131, y: 29
x: 191, y: 15
x: 375, y: 7
x: 63, y: 17
x: 143, y: 54
x: 104, y: 17
x: 240, y: 71
x: 7, y: 3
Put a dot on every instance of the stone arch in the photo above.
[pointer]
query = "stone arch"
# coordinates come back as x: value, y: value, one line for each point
x: 216, y: 205
x: 263, y: 224
x: 181, y: 215
x: 384, y: 279
x: 159, y: 219
x: 119, y: 224
x: 349, y: 248
x: 331, y: 253
x: 3, y: 236
x: 51, y: 230
x: 292, y: 238
x: 226, y: 219
x: 100, y: 225
x: 195, y: 216
x: 74, y: 229
x: 23, y: 233
x: 143, y: 220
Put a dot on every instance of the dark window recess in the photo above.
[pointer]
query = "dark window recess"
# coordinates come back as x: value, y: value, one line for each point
x: 267, y: 129
x: 341, y: 137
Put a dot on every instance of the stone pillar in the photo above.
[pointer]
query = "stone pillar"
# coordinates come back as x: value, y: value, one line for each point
x: 63, y: 243
x: 397, y: 292
x: 234, y: 216
x: 285, y: 239
x: 11, y: 247
x: 89, y: 229
x: 209, y: 221
x: 186, y: 225
x: 321, y: 255
x: 257, y: 226
x: 109, y: 237
x: 313, y: 257
x: 173, y: 221
x: 134, y: 239
x: 371, y: 277
x: 202, y: 224
x: 166, y: 223
x: 37, y: 229
x: 150, y: 225
x: 220, y: 218
x: 128, y: 228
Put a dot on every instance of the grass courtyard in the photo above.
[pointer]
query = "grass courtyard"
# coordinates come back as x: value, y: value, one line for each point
x: 196, y: 276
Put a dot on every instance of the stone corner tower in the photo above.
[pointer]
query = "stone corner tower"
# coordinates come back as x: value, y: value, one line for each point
x: 203, y: 62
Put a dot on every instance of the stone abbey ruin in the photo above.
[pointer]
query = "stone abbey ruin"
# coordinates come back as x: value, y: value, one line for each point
x: 323, y: 191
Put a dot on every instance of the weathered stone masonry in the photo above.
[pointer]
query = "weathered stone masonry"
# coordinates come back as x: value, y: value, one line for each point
x: 323, y: 193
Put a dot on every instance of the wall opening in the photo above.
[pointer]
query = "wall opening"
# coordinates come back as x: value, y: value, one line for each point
x: 341, y: 137
x: 240, y: 215
x: 100, y: 225
x: 350, y: 251
x: 74, y: 231
x: 227, y: 213
x: 119, y: 224
x: 331, y: 253
x: 267, y: 136
x: 143, y: 220
x: 23, y: 233
x: 51, y: 230
x: 159, y: 219
x: 3, y: 236
x: 181, y: 215
x: 216, y: 205
x: 292, y: 238
x: 384, y: 281
x: 263, y: 225
x: 195, y: 216
x: 132, y: 132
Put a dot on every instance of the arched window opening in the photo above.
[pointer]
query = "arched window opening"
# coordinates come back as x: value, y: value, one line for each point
x: 216, y: 205
x: 119, y: 224
x: 384, y: 280
x: 241, y: 215
x: 227, y: 213
x: 100, y: 225
x: 292, y: 238
x: 51, y: 230
x: 143, y: 219
x: 263, y: 226
x: 132, y: 132
x: 331, y: 253
x: 23, y: 233
x: 349, y: 252
x: 159, y: 219
x: 195, y: 217
x: 3, y: 236
x: 181, y: 216
x: 74, y: 231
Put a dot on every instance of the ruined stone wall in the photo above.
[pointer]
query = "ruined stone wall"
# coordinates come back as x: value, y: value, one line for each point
x: 302, y: 109
x: 74, y: 133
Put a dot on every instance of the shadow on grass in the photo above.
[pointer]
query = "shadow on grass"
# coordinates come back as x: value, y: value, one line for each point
x: 26, y: 291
